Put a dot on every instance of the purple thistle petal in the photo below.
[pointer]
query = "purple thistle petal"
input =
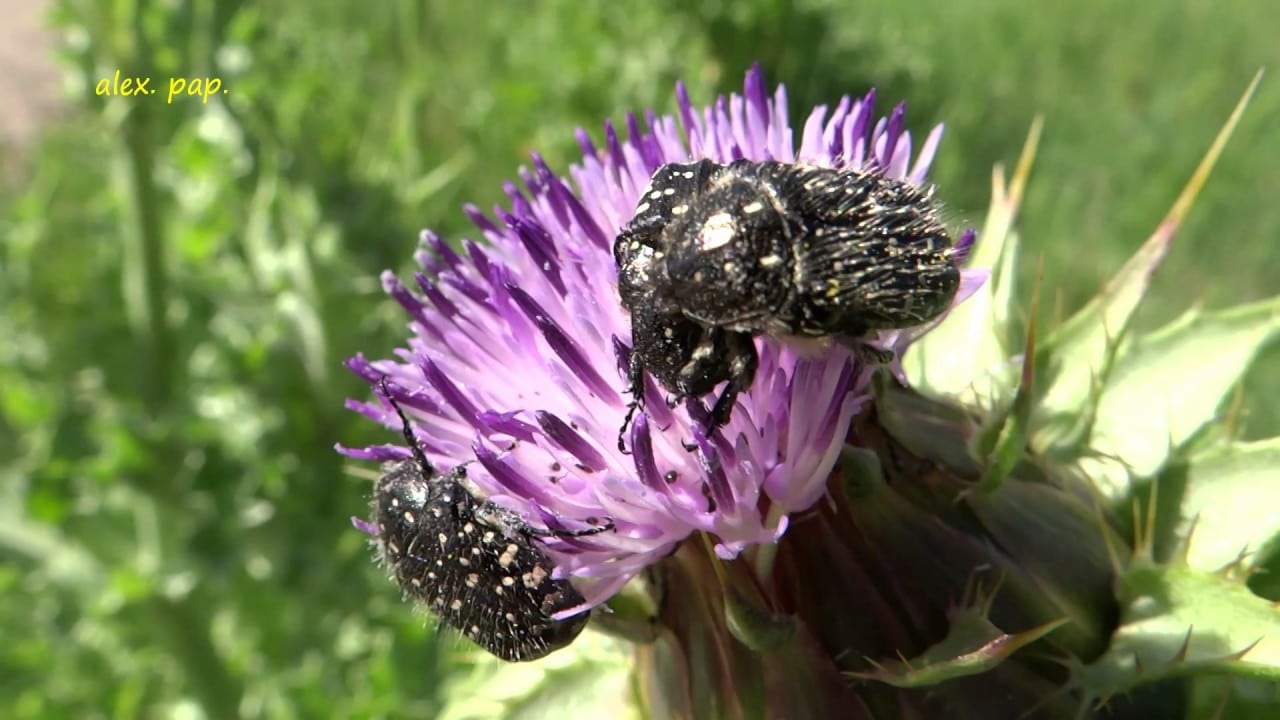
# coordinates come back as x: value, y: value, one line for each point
x: 364, y: 526
x: 737, y: 127
x: 393, y: 287
x: 378, y: 453
x: 508, y: 424
x: 832, y: 133
x: 666, y: 136
x: 515, y: 483
x: 813, y: 146
x: 519, y: 203
x: 429, y: 262
x: 964, y: 246
x: 452, y: 394
x: 568, y: 209
x: 622, y: 353
x: 689, y: 120
x: 585, y: 142
x: 562, y: 344
x: 858, y: 130
x: 779, y: 137
x: 440, y: 248
x: 410, y: 400
x: 892, y: 131
x: 714, y: 473
x: 362, y: 368
x: 482, y: 221
x: 442, y: 304
x: 478, y: 258
x: 612, y: 142
x: 655, y: 404
x: 572, y: 356
x: 465, y: 286
x: 642, y: 454
x: 925, y: 158
x: 644, y: 143
x: 541, y: 248
x: 900, y: 157
x: 428, y: 331
x: 757, y: 95
x: 970, y: 282
x: 560, y: 433
x: 452, y: 271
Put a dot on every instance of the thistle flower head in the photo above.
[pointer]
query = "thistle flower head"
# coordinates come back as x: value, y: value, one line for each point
x: 516, y: 361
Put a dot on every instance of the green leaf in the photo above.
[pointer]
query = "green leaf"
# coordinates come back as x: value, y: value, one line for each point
x: 65, y: 559
x: 1077, y: 357
x: 1176, y: 621
x: 590, y: 678
x: 1168, y: 385
x: 1062, y: 552
x: 980, y: 324
x: 973, y: 645
x: 1015, y: 426
x: 754, y: 626
x: 1230, y: 503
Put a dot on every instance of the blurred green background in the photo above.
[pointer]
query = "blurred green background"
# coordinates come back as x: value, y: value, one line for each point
x: 179, y: 283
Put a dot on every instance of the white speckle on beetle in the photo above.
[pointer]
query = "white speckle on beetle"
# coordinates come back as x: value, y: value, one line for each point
x: 534, y: 577
x: 718, y: 231
x: 508, y: 555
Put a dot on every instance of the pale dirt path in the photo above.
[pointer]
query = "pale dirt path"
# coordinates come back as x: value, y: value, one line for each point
x: 29, y: 81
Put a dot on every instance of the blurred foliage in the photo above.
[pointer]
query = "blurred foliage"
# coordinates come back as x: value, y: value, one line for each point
x: 180, y: 282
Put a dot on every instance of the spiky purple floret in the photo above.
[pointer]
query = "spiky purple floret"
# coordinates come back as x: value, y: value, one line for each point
x: 514, y: 358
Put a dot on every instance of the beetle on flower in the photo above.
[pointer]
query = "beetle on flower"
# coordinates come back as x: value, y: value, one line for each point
x: 717, y: 254
x: 518, y: 349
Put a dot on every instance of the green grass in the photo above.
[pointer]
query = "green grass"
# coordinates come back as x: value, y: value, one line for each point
x: 179, y: 283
